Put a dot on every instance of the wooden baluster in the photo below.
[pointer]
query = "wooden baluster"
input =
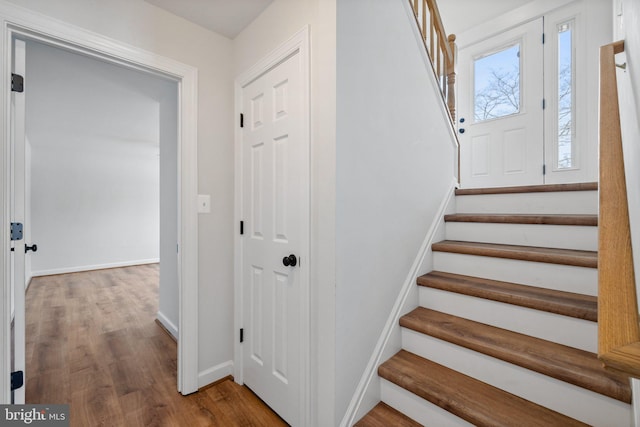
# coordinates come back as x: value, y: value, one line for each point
x: 415, y: 7
x: 451, y: 76
x: 424, y: 20
x: 432, y: 26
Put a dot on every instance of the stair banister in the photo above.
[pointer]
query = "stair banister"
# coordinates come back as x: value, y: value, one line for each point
x: 618, y: 328
x: 440, y: 48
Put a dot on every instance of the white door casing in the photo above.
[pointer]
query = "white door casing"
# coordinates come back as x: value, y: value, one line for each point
x: 17, y: 21
x: 18, y: 163
x: 507, y: 150
x: 272, y: 302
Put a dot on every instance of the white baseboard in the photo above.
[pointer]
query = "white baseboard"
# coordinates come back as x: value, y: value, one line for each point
x: 168, y: 325
x: 78, y: 269
x: 215, y: 373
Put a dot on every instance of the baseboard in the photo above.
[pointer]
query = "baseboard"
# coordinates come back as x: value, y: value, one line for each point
x: 363, y: 394
x: 215, y: 373
x: 78, y: 269
x: 167, y: 325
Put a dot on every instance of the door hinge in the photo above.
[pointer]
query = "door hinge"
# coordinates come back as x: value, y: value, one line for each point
x: 543, y: 38
x: 544, y: 169
x: 16, y: 231
x: 241, y: 228
x: 241, y: 335
x: 544, y: 103
x: 241, y: 120
x: 17, y: 380
x: 17, y: 83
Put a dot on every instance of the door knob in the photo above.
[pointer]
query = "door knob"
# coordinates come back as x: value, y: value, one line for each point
x: 290, y: 261
x: 28, y: 248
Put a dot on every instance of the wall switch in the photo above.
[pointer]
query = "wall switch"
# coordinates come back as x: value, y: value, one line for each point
x: 204, y: 203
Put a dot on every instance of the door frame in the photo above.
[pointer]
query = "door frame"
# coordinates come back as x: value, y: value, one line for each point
x: 298, y: 44
x: 26, y: 24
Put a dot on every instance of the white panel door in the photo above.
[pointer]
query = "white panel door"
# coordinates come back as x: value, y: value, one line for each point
x: 274, y: 193
x: 18, y: 216
x: 501, y: 112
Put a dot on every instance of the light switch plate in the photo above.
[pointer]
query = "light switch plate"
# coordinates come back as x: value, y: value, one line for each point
x: 204, y: 203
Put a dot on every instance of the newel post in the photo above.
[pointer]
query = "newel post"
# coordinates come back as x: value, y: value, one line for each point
x: 451, y: 76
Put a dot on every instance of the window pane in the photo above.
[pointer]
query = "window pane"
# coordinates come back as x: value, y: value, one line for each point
x: 565, y: 96
x: 497, y: 84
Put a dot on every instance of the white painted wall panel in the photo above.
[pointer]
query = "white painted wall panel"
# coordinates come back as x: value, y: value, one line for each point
x: 94, y: 134
x: 395, y: 161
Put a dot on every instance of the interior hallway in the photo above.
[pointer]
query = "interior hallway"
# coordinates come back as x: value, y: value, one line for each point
x: 92, y: 342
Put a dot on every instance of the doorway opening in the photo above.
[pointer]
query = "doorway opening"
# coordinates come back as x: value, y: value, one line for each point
x: 101, y: 193
x: 33, y: 28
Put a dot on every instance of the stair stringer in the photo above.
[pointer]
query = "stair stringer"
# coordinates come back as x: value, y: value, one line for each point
x: 368, y: 391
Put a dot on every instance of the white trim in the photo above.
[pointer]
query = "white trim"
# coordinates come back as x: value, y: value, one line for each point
x: 215, y: 373
x: 299, y: 43
x: 81, y: 268
x: 393, y: 321
x: 168, y: 325
x: 17, y: 20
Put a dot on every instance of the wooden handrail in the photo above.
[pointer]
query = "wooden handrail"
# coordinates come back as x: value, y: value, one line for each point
x: 618, y: 327
x: 441, y: 49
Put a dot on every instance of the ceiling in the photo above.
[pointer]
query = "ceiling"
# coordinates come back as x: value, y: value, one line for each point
x: 461, y: 15
x: 230, y: 17
x: 226, y: 17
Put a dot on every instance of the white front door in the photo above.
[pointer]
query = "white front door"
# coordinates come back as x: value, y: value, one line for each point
x: 274, y: 259
x: 501, y: 109
x: 18, y: 217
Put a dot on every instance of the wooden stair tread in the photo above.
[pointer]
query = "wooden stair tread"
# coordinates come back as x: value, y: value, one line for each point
x: 466, y: 397
x: 549, y: 300
x: 564, y: 363
x: 525, y: 253
x: 383, y: 415
x: 547, y: 219
x: 583, y: 186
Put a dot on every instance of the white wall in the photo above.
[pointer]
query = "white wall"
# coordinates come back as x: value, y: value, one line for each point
x: 94, y: 134
x: 147, y: 27
x: 395, y: 160
x: 279, y: 21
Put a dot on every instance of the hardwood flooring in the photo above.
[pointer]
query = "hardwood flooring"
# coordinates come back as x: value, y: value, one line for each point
x: 92, y: 342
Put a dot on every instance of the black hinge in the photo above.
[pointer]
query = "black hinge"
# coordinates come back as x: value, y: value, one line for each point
x: 241, y: 227
x: 17, y: 83
x: 16, y: 231
x: 241, y: 334
x: 542, y: 38
x: 544, y: 103
x: 17, y: 380
x: 241, y: 120
x: 544, y: 169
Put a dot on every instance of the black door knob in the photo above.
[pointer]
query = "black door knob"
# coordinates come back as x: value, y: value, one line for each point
x: 28, y: 248
x: 290, y: 261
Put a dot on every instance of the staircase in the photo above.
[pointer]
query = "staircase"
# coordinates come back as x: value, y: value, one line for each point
x: 506, y: 333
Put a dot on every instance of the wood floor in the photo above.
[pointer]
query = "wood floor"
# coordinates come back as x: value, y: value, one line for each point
x: 92, y: 342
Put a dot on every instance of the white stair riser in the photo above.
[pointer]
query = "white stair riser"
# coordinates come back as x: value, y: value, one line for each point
x: 540, y: 235
x: 415, y: 407
x: 581, y: 280
x: 567, y: 202
x: 564, y: 330
x: 568, y: 399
